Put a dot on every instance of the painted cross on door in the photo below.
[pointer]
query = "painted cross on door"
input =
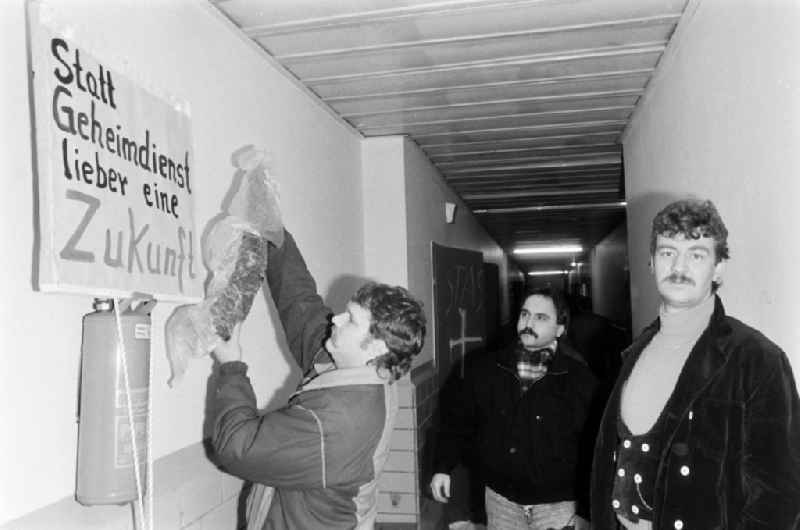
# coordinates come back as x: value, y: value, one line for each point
x: 459, y: 307
x: 461, y: 342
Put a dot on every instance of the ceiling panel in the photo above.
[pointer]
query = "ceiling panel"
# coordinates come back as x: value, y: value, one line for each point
x: 434, y: 54
x: 421, y: 125
x: 489, y: 102
x: 292, y: 26
x: 506, y: 181
x: 520, y: 104
x: 522, y: 143
x: 505, y: 69
x: 529, y: 131
x: 470, y: 158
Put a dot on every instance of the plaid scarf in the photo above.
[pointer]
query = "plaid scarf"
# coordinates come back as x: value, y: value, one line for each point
x: 532, y: 364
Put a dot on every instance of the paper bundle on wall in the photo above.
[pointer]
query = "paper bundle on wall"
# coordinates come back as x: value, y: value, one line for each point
x: 235, y: 251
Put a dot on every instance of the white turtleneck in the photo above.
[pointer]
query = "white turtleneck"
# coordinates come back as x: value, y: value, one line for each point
x: 656, y: 372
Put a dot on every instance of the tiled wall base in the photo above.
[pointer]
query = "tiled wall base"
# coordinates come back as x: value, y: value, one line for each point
x: 189, y: 494
x: 399, y: 497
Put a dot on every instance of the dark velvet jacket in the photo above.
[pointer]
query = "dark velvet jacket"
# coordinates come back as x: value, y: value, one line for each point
x: 531, y: 448
x: 732, y: 422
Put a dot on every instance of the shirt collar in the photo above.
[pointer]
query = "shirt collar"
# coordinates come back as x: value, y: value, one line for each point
x: 362, y: 375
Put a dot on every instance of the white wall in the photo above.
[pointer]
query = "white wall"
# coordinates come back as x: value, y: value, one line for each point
x: 383, y: 172
x: 721, y: 121
x: 181, y: 48
x: 426, y: 193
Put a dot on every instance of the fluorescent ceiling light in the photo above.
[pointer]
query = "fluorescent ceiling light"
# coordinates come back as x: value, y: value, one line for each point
x: 558, y: 249
x: 546, y: 273
x: 552, y: 208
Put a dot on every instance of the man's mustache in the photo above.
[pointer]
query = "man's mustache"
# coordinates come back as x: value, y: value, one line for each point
x: 528, y: 331
x: 676, y: 277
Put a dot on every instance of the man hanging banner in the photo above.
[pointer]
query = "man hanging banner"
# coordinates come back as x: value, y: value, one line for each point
x: 115, y: 179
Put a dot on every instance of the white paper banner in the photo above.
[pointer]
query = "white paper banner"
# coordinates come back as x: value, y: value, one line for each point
x: 115, y: 179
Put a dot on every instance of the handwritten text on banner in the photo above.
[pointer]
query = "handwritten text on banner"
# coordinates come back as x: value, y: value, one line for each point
x: 115, y: 180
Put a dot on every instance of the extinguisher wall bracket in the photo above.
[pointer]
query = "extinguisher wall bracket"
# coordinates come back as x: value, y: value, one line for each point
x: 140, y: 303
x: 145, y: 307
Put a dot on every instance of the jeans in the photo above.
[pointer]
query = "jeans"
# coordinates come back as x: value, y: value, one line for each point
x: 503, y: 514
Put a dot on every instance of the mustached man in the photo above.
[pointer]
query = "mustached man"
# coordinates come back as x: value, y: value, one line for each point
x: 523, y: 411
x: 702, y: 430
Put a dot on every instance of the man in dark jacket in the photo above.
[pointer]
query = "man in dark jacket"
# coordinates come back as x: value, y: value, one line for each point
x: 522, y: 411
x: 315, y: 463
x: 702, y: 429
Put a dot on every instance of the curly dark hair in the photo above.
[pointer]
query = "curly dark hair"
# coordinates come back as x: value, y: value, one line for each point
x: 397, y: 319
x: 693, y: 219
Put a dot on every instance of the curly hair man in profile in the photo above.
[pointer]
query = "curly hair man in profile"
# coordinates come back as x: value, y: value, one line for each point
x: 315, y: 463
x: 702, y: 429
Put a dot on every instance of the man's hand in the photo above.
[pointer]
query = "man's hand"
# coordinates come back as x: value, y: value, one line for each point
x: 440, y: 487
x: 231, y: 350
x: 581, y: 523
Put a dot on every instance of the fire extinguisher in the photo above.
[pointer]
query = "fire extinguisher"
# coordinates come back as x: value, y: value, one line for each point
x: 106, y: 470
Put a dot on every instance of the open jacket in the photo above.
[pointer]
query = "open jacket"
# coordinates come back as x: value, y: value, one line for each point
x: 323, y: 452
x: 532, y: 448
x: 731, y: 457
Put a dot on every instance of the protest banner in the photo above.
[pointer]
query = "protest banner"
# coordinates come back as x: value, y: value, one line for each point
x: 115, y: 179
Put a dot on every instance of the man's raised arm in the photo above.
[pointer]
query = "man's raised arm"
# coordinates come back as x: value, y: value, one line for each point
x: 304, y: 315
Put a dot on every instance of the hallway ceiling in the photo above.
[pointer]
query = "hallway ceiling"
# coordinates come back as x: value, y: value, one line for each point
x: 520, y: 104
